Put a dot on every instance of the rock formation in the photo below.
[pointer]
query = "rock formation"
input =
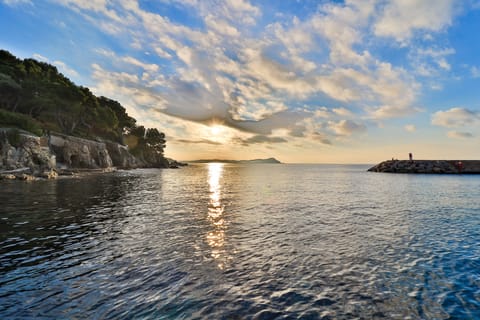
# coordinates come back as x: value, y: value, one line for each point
x: 76, y: 152
x: 120, y: 156
x: 23, y: 155
x: 428, y: 166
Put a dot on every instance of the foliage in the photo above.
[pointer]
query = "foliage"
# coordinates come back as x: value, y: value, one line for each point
x: 148, y: 145
x: 36, y: 97
x: 20, y: 121
x: 13, y: 137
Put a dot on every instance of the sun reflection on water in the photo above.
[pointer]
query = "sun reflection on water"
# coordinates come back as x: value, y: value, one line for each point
x: 216, y: 237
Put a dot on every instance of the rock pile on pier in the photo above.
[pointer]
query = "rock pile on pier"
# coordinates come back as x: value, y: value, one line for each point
x: 428, y: 166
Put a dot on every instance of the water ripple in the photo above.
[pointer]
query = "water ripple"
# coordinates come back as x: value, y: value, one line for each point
x: 241, y: 242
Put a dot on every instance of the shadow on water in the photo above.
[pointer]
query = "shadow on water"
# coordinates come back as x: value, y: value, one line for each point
x: 40, y: 218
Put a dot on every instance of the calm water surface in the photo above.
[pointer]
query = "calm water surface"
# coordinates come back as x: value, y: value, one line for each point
x: 228, y: 241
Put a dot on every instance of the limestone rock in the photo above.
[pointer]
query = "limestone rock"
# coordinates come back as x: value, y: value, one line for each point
x: 80, y: 153
x: 120, y: 156
x: 52, y: 174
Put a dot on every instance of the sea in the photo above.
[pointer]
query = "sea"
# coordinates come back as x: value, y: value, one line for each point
x: 241, y: 241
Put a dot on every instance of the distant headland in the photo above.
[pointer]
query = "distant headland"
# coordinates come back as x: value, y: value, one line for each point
x: 428, y: 166
x: 268, y: 160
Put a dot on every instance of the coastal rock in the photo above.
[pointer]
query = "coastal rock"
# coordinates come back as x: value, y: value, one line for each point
x: 24, y: 156
x: 52, y: 174
x: 428, y: 166
x: 20, y: 149
x: 120, y: 156
x: 25, y: 177
x: 80, y: 153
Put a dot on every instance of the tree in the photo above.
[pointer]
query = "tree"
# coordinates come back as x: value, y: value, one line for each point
x: 9, y: 92
x: 125, y: 123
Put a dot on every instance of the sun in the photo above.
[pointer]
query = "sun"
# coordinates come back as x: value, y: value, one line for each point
x: 216, y: 130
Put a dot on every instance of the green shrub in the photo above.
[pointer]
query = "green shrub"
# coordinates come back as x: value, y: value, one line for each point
x: 20, y: 121
x: 13, y: 137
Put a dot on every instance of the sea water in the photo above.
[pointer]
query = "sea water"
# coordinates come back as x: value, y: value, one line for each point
x: 226, y: 241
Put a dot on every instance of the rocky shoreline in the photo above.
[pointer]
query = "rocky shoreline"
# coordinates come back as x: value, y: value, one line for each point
x: 24, y: 156
x: 428, y: 166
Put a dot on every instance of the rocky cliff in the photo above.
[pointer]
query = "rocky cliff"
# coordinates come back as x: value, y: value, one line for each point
x: 22, y: 153
x: 120, y: 156
x: 428, y: 166
x: 73, y: 152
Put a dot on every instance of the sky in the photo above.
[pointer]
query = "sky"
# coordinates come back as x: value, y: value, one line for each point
x: 304, y: 81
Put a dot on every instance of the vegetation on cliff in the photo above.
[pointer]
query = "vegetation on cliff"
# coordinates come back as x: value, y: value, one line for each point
x: 37, y: 98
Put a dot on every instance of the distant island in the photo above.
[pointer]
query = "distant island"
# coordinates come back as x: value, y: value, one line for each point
x: 268, y: 160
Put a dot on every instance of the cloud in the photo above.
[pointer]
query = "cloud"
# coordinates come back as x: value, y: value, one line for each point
x: 475, y: 71
x: 127, y: 60
x: 342, y: 112
x: 62, y: 66
x: 401, y: 19
x: 132, y: 90
x: 201, y: 141
x: 221, y: 26
x: 346, y: 127
x: 259, y: 139
x: 459, y: 135
x: 410, y: 128
x: 455, y: 117
x: 39, y: 57
x: 17, y: 2
x: 322, y: 138
x: 392, y: 111
x: 431, y: 61
x: 228, y: 65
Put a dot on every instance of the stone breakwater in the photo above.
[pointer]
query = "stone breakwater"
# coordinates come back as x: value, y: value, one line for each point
x: 429, y: 166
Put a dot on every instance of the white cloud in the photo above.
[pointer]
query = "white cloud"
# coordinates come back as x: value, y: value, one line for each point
x: 221, y: 26
x: 429, y: 62
x: 62, y: 66
x: 39, y: 57
x: 322, y: 112
x: 459, y: 135
x: 230, y: 69
x: 128, y: 60
x: 17, y: 2
x: 475, y: 71
x: 410, y: 128
x: 400, y: 19
x: 455, y: 117
x: 346, y: 127
x: 342, y: 112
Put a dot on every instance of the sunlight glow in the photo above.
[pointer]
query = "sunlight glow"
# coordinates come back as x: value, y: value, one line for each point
x: 215, y: 130
x: 216, y: 237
